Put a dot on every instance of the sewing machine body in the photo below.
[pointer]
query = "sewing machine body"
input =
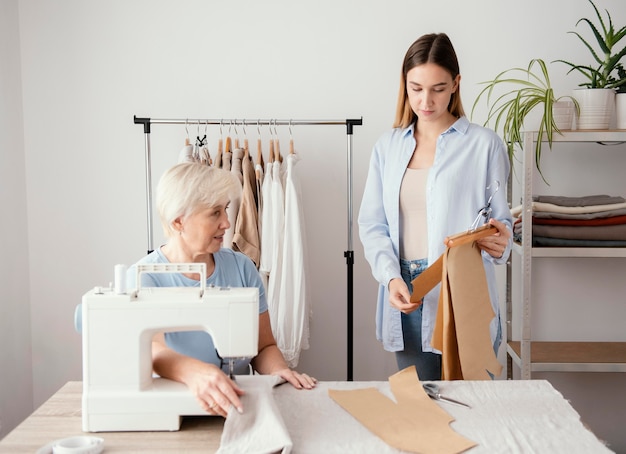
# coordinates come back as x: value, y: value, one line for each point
x: 119, y: 390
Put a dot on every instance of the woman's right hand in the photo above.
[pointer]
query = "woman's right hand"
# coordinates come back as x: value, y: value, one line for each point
x: 214, y: 390
x: 399, y: 296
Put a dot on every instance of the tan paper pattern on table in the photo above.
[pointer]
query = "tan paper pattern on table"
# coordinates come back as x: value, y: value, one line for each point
x: 413, y: 423
x: 463, y: 315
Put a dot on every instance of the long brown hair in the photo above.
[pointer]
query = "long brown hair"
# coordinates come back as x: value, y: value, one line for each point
x: 432, y: 48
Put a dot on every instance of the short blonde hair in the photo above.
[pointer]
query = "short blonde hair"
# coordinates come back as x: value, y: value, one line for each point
x: 188, y: 186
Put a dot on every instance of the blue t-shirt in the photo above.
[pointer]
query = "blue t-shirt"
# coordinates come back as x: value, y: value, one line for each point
x: 232, y: 269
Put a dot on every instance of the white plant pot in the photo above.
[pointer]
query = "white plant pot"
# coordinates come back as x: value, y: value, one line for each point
x: 563, y: 114
x: 596, y: 107
x: 620, y: 110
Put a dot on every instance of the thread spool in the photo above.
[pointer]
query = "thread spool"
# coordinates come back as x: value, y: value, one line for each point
x: 120, y: 279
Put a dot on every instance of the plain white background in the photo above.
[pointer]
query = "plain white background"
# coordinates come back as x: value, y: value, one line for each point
x: 72, y: 172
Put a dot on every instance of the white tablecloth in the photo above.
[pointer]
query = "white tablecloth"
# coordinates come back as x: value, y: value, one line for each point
x: 516, y: 416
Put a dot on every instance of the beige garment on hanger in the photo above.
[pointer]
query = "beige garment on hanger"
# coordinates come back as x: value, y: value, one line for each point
x: 464, y: 312
x: 246, y: 237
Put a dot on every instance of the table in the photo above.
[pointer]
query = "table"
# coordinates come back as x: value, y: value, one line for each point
x: 507, y: 416
x: 60, y: 417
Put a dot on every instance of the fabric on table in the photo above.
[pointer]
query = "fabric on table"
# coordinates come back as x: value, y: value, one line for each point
x: 412, y: 423
x: 507, y: 416
x: 603, y: 232
x: 587, y: 200
x: 260, y: 429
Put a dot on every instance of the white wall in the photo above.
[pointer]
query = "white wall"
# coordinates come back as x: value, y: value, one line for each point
x: 16, y: 396
x: 87, y: 67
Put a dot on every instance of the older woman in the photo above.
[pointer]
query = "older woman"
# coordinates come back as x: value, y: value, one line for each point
x: 192, y: 202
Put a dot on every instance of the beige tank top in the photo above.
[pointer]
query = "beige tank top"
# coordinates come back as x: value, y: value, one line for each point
x: 413, y: 227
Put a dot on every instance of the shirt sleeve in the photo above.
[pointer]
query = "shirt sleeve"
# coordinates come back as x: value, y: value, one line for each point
x: 374, y: 228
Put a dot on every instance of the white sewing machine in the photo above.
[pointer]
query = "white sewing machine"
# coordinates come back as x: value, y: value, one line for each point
x: 119, y: 390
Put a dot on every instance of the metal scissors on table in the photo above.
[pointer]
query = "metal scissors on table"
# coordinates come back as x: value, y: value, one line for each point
x: 432, y: 390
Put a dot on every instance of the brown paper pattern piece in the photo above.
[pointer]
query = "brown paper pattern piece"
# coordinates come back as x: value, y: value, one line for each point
x: 413, y: 423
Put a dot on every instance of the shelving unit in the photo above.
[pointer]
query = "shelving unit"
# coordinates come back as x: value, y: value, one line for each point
x: 534, y: 356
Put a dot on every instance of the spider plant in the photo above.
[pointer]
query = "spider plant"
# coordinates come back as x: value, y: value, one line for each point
x: 601, y: 74
x: 528, y: 89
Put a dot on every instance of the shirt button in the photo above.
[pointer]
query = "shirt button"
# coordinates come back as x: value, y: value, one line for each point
x: 413, y: 266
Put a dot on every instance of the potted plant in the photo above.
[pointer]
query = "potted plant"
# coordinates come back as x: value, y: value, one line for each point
x: 606, y: 73
x: 620, y: 102
x: 529, y: 89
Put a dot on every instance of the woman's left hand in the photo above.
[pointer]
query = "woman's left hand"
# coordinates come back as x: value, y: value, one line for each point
x: 496, y: 244
x: 297, y: 380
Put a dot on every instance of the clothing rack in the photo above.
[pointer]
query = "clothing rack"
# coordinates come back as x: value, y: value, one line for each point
x: 348, y: 254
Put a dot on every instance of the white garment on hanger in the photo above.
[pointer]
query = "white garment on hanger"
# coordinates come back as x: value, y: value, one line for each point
x: 267, y: 233
x: 292, y: 334
x: 276, y: 225
x: 186, y: 154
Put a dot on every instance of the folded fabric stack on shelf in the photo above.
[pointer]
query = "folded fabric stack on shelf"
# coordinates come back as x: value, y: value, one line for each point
x: 588, y: 221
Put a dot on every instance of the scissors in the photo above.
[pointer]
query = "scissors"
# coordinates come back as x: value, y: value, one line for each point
x: 432, y: 390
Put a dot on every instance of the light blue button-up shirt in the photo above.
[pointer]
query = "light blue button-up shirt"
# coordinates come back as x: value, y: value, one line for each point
x: 468, y: 159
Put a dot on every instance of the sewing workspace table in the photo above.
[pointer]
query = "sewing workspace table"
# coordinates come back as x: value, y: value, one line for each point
x: 515, y: 416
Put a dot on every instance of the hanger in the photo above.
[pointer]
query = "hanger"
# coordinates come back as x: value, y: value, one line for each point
x: 228, y: 144
x: 475, y: 232
x: 220, y: 146
x: 236, y: 134
x: 277, y: 156
x: 470, y: 235
x: 259, y: 147
x: 272, y: 154
x: 291, y: 148
x: 205, y: 156
x: 246, y: 152
x: 187, y: 141
x: 198, y: 144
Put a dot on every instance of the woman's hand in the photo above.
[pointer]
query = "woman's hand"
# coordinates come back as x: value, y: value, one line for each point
x: 297, y: 380
x: 495, y: 244
x: 270, y: 360
x: 214, y: 390
x: 399, y: 296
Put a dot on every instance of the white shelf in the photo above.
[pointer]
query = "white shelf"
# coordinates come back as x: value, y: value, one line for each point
x: 573, y: 356
x: 591, y: 135
x: 531, y: 355
x: 573, y: 251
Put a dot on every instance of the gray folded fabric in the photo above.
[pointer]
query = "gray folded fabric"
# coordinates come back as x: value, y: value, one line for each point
x: 260, y: 429
x: 579, y: 216
x: 603, y: 232
x: 588, y: 200
x: 560, y: 242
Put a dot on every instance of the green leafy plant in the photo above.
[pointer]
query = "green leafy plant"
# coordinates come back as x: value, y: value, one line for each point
x: 607, y: 71
x: 528, y: 89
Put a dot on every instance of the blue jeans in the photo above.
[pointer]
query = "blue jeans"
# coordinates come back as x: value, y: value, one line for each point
x: 427, y: 364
